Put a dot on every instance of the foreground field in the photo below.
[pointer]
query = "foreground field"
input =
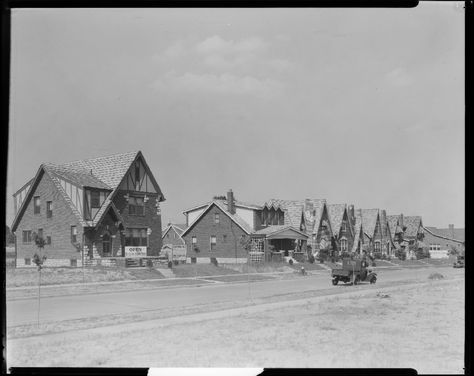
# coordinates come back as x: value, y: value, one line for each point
x: 419, y: 326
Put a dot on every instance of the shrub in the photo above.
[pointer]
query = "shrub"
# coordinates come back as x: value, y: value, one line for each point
x: 401, y: 254
x: 384, y: 256
x: 214, y: 261
x: 290, y: 262
x: 170, y: 264
x: 436, y: 276
x: 176, y: 262
x: 149, y: 263
x: 311, y: 259
x: 377, y: 255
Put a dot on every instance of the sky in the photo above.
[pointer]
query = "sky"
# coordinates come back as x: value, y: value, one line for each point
x: 357, y: 106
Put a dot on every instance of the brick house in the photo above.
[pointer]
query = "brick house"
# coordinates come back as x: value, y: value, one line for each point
x: 376, y: 231
x: 359, y: 243
x: 216, y: 230
x: 442, y: 240
x: 413, y: 234
x: 95, y: 208
x: 342, y: 223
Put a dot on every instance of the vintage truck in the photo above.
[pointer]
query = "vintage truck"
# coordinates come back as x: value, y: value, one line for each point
x: 353, y: 271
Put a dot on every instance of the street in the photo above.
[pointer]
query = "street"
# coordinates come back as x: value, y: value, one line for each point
x: 20, y: 312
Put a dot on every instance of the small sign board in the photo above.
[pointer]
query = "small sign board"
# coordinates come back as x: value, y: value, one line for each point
x: 135, y: 251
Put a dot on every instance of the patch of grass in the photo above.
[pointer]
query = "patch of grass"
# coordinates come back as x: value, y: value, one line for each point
x: 201, y: 270
x: 436, y: 276
x: 267, y: 267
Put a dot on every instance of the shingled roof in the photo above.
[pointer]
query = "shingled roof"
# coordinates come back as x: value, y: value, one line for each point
x: 357, y: 230
x: 392, y: 221
x: 223, y: 207
x: 412, y: 223
x: 336, y: 215
x: 369, y: 221
x: 102, y: 172
x: 457, y: 235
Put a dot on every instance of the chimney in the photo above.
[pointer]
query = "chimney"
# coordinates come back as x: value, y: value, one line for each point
x: 451, y: 231
x: 230, y: 202
x: 359, y: 212
x: 91, y: 171
x: 308, y: 205
x: 400, y: 221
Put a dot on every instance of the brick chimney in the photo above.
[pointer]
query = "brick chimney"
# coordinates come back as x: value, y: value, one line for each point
x: 230, y: 202
x: 400, y: 221
x: 451, y: 231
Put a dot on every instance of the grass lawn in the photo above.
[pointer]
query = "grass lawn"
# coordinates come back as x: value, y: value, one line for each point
x: 267, y: 267
x: 51, y: 276
x: 420, y: 327
x: 202, y: 270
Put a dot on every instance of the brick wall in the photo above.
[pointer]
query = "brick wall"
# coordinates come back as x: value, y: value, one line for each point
x: 150, y: 220
x: 58, y: 227
x: 206, y: 227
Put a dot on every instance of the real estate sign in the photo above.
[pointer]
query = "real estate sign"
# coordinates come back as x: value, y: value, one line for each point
x: 135, y: 251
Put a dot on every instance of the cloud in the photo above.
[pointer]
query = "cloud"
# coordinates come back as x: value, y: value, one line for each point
x: 398, y: 77
x: 216, y: 44
x: 219, y: 84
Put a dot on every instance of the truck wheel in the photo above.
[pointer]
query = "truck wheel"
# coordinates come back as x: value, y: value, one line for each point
x: 373, y: 280
x: 335, y: 281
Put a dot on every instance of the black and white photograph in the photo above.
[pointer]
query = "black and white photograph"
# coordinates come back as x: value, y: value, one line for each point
x: 237, y: 188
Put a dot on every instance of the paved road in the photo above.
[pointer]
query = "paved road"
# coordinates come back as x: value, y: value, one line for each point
x: 83, y: 306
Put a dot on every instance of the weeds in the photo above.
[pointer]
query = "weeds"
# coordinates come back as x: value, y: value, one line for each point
x: 436, y: 276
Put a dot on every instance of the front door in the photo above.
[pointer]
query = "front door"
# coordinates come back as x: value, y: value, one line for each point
x: 106, y: 246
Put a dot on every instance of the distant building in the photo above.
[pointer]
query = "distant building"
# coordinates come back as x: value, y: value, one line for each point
x: 89, y: 209
x: 172, y: 234
x: 442, y: 240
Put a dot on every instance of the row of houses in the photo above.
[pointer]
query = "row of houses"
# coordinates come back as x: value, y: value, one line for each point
x: 108, y: 208
x: 226, y: 229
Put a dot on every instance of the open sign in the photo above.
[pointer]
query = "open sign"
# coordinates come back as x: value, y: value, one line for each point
x: 135, y: 251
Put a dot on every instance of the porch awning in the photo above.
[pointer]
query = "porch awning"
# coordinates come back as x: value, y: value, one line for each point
x: 281, y: 232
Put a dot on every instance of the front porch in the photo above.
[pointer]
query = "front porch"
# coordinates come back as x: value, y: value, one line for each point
x: 279, y: 241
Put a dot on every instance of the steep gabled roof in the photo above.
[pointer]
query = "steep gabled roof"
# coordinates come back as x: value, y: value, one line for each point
x: 274, y: 230
x: 234, y: 217
x: 336, y: 215
x: 237, y: 203
x: 412, y: 224
x: 369, y: 221
x: 102, y: 172
x: 179, y: 229
x: 357, y: 230
x: 392, y: 221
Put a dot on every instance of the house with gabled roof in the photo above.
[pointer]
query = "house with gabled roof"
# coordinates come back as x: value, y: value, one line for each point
x: 359, y: 243
x: 105, y: 207
x: 375, y: 230
x: 342, y: 222
x: 171, y: 235
x: 396, y: 229
x: 442, y: 240
x: 413, y: 233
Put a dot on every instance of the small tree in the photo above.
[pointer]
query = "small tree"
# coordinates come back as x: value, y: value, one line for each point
x: 39, y: 260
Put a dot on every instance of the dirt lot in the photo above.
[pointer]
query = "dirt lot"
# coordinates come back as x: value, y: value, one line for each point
x: 419, y: 326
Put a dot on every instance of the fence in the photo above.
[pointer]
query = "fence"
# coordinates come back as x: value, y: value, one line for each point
x: 255, y: 257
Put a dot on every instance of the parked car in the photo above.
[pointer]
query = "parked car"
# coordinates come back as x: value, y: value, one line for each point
x: 459, y: 262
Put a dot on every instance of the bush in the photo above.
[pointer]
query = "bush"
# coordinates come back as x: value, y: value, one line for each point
x: 149, y: 263
x: 311, y: 259
x: 436, y: 276
x: 377, y: 255
x: 170, y: 264
x: 176, y: 262
x: 384, y: 256
x: 401, y: 254
x: 214, y: 261
x: 290, y: 262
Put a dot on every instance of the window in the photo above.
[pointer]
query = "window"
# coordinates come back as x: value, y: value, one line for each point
x: 136, y: 206
x: 73, y: 262
x: 344, y: 227
x: 174, y: 235
x: 136, y: 237
x: 27, y: 237
x: 213, y: 242
x: 194, y: 240
x: 49, y: 209
x: 48, y: 240
x: 224, y: 238
x: 216, y: 218
x: 377, y: 246
x: 27, y: 261
x: 40, y: 232
x: 168, y: 235
x: 343, y: 245
x: 73, y: 234
x: 37, y: 204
